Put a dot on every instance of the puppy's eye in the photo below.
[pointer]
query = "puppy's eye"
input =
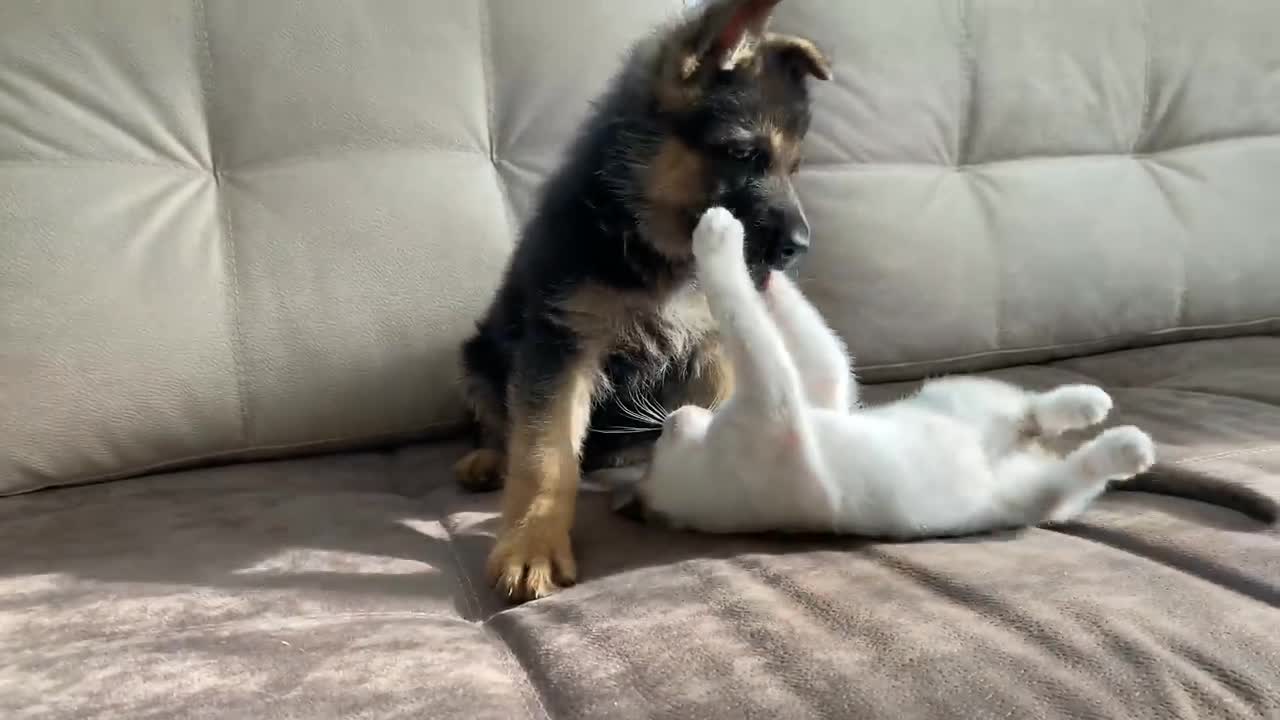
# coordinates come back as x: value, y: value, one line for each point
x: 741, y: 152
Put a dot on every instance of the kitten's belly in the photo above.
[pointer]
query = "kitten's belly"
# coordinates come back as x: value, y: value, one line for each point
x: 903, y: 476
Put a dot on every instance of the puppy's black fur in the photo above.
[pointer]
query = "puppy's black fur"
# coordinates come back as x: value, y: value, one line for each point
x: 598, y: 304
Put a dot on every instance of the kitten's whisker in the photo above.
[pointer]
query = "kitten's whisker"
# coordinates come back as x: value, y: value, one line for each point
x: 621, y: 430
x: 645, y: 410
x: 625, y: 408
x: 659, y: 408
x: 654, y: 407
x: 637, y: 415
x: 642, y: 415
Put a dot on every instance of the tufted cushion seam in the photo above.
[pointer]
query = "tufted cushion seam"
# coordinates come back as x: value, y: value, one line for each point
x: 512, y: 664
x: 489, y: 70
x: 811, y: 166
x: 1263, y: 326
x: 1165, y: 389
x: 230, y: 261
x: 1145, y: 112
x: 1158, y: 154
x: 253, y: 452
x: 121, y: 640
x: 341, y: 152
x: 20, y: 163
x: 1257, y: 450
x: 969, y: 64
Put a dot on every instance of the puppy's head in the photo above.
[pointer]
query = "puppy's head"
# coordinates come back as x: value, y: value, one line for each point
x: 733, y: 101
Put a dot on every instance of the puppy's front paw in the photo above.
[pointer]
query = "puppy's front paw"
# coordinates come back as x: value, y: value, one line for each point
x: 717, y: 232
x: 533, y: 559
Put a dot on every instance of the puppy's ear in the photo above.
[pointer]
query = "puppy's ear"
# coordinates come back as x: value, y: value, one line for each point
x: 725, y: 34
x: 798, y: 54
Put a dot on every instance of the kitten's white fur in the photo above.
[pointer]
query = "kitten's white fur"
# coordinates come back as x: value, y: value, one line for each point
x: 792, y: 451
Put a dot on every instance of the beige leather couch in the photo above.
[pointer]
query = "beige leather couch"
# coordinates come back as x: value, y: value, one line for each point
x: 235, y: 234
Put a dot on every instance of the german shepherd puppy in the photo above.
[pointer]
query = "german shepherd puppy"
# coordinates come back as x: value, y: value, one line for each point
x: 598, y: 307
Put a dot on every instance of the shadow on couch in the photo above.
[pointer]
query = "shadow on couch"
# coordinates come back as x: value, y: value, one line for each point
x: 387, y: 531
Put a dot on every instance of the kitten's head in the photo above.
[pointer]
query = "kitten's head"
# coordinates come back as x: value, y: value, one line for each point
x: 671, y: 479
x: 684, y: 427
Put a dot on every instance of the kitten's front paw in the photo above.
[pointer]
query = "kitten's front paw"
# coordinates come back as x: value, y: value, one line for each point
x: 1072, y: 407
x: 1124, y: 451
x: 717, y: 232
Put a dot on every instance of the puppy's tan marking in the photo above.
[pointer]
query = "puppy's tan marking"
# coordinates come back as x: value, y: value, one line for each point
x: 784, y: 150
x: 674, y: 184
x: 480, y: 470
x: 676, y: 175
x: 534, y: 554
x: 803, y: 50
x: 713, y: 381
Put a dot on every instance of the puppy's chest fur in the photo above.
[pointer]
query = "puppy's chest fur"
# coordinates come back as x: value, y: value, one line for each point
x: 670, y: 330
x: 639, y: 335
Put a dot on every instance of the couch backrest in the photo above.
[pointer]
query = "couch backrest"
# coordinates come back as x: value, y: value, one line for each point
x: 238, y: 229
x: 258, y: 227
x: 995, y: 182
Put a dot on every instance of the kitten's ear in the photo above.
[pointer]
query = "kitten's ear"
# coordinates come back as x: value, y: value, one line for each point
x: 616, y: 478
x: 799, y: 54
x: 725, y: 35
x: 627, y: 504
x: 622, y: 484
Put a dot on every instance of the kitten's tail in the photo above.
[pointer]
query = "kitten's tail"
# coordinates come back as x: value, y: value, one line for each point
x: 613, y: 479
x: 1181, y: 481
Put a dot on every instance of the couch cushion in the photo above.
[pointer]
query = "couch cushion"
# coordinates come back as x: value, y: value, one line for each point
x: 351, y: 586
x: 1152, y: 606
x: 326, y: 588
x: 994, y: 183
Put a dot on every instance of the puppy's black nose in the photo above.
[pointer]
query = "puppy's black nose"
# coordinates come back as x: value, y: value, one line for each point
x: 793, y: 246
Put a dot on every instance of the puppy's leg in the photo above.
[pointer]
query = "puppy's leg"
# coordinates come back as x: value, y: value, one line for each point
x: 481, y: 470
x: 484, y: 387
x: 550, y: 409
x: 820, y: 355
x: 711, y: 382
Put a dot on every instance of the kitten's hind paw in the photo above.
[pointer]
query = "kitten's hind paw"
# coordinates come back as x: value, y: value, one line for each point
x: 1071, y: 407
x: 717, y: 232
x: 1121, y: 452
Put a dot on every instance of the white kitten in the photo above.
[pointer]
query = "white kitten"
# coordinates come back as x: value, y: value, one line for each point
x: 790, y: 451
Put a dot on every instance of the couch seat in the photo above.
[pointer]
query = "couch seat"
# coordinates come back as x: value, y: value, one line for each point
x: 351, y: 586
